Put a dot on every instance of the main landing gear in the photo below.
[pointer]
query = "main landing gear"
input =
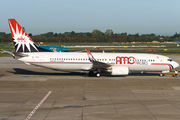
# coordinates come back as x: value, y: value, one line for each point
x: 98, y: 74
x: 91, y: 73
x: 161, y: 74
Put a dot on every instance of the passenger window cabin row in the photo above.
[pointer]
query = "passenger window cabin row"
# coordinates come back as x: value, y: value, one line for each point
x: 85, y: 59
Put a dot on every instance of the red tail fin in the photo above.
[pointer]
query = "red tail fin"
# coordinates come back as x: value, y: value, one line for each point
x: 22, y: 42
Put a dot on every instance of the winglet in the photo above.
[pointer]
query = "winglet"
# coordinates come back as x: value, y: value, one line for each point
x: 91, y: 58
x: 54, y: 49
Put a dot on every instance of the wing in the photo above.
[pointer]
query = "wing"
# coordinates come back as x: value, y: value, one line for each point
x: 97, y: 64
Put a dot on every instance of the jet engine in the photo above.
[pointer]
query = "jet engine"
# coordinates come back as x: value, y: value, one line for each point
x: 119, y: 70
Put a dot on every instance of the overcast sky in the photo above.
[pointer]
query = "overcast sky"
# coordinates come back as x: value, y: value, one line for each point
x: 161, y: 17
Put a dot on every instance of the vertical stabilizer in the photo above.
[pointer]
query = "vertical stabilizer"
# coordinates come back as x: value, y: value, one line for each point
x: 22, y: 42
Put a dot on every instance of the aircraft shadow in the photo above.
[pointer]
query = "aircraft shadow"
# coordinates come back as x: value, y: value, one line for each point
x: 143, y: 74
x: 67, y: 73
x: 30, y: 72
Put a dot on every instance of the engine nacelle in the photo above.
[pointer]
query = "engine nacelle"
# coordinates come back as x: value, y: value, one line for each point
x: 119, y: 70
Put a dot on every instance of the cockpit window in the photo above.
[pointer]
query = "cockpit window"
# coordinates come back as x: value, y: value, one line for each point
x: 170, y: 60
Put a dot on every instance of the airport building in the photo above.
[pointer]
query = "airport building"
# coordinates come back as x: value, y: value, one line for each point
x: 177, y: 40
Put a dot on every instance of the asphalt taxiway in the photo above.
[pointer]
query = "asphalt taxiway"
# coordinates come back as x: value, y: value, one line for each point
x: 76, y: 96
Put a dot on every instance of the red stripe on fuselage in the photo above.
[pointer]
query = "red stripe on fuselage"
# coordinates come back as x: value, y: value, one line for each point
x: 59, y: 63
x: 62, y: 63
x: 162, y: 64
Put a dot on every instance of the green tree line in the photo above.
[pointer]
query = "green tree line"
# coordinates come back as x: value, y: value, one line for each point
x: 94, y: 36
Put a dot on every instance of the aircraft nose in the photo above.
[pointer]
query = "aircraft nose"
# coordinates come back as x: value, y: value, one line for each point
x: 175, y: 64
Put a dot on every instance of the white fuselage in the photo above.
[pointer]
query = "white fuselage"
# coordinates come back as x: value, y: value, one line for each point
x: 80, y: 61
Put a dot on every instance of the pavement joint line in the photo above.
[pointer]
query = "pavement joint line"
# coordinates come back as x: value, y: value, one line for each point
x: 168, y: 101
x: 113, y: 104
x: 95, y: 113
x: 52, y: 106
x: 40, y: 103
x: 83, y: 101
x: 23, y: 103
x: 50, y: 110
x: 143, y: 105
x: 140, y: 101
x: 155, y: 104
x: 165, y: 83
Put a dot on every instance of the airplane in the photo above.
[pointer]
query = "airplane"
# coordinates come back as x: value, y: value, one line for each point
x: 49, y: 48
x: 54, y: 48
x: 96, y: 63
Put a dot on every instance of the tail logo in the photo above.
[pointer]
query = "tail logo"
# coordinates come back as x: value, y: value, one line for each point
x: 22, y: 42
x: 21, y: 39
